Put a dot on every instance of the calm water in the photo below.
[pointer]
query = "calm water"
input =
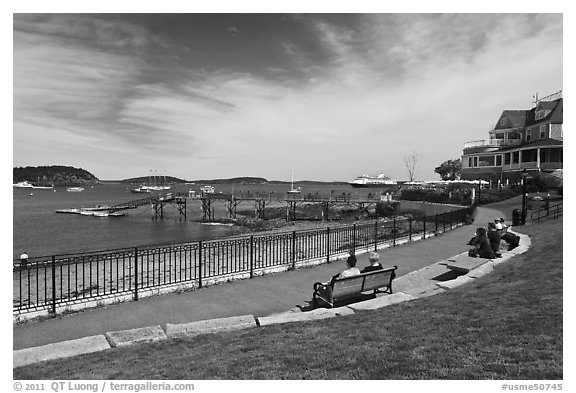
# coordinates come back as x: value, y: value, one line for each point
x: 40, y: 231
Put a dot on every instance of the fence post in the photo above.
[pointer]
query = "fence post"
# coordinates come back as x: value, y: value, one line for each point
x: 327, y: 244
x: 394, y: 234
x: 375, y: 235
x: 424, y: 228
x: 53, y: 285
x: 136, y: 274
x: 354, y: 239
x: 200, y: 264
x: 293, y: 249
x: 410, y: 230
x: 251, y: 256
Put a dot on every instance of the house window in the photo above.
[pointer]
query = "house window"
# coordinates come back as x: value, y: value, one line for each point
x: 507, y: 159
x: 503, y: 121
x: 543, y: 131
x: 540, y: 114
x: 469, y: 162
x: 499, y: 160
x: 528, y: 135
x: 486, y: 161
x: 475, y: 161
x: 513, y: 135
x: 499, y: 136
x: 515, y: 157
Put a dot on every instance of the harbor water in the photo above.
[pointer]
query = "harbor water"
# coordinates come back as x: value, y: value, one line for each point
x: 40, y: 231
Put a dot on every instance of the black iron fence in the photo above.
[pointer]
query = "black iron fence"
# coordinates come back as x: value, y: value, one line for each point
x: 553, y: 212
x: 50, y: 282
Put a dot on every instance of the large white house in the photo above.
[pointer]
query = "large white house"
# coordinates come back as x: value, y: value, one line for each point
x: 522, y: 139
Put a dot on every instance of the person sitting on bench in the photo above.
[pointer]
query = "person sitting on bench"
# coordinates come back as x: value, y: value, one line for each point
x: 351, y: 270
x: 374, y: 264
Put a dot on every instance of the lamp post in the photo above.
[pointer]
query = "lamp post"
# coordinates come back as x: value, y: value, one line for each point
x: 524, y: 198
x: 479, y: 188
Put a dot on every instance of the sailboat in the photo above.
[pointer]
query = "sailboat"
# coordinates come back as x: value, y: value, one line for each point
x: 292, y: 189
x: 149, y: 188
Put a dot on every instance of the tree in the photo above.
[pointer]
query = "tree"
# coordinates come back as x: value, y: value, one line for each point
x: 410, y: 161
x: 449, y: 170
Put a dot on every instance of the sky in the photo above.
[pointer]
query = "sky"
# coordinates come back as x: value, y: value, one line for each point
x: 324, y: 96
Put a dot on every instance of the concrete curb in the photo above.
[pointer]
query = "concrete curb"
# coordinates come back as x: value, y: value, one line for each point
x: 319, y: 313
x: 135, y: 336
x: 489, y: 265
x: 210, y: 326
x: 382, y: 301
x: 64, y: 349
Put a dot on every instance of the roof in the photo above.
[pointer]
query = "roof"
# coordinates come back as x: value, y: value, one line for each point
x: 555, y: 114
x: 523, y: 118
x: 516, y: 118
x: 538, y: 143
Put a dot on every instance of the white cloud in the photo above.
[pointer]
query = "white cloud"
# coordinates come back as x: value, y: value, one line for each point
x: 388, y: 89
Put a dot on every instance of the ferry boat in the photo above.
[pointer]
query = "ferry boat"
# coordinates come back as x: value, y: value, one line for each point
x: 75, y: 189
x: 380, y: 181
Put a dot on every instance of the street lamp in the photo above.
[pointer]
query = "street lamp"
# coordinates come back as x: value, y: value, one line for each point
x: 524, y: 198
x: 479, y: 188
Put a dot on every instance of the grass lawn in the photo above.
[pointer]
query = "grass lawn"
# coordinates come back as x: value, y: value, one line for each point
x: 505, y: 325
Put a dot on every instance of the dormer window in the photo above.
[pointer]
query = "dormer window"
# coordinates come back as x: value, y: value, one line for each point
x: 540, y: 114
x: 503, y: 121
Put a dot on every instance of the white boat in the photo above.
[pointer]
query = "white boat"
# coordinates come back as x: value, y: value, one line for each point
x: 155, y: 188
x: 43, y: 187
x: 373, y: 181
x: 75, y: 189
x: 293, y: 190
x: 140, y: 190
x: 207, y: 190
x: 22, y: 184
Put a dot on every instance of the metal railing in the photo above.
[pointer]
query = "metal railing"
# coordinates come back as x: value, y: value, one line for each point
x: 553, y: 212
x: 46, y: 283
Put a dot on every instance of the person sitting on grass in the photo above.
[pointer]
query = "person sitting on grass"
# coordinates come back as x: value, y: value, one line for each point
x: 498, y: 224
x: 503, y: 225
x: 494, y: 237
x: 512, y: 240
x: 482, y: 247
x: 374, y: 264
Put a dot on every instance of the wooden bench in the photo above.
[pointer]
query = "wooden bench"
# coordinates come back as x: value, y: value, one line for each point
x: 349, y: 288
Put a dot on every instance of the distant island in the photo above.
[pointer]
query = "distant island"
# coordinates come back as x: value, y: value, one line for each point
x: 55, y: 175
x: 59, y: 175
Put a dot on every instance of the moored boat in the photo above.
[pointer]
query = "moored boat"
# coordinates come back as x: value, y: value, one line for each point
x: 75, y: 189
x: 208, y: 189
x: 22, y: 184
x: 140, y: 190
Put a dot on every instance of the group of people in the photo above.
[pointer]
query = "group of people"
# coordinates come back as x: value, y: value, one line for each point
x: 352, y: 270
x: 488, y: 240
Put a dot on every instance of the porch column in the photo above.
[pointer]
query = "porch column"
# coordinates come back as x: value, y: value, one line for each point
x: 538, y: 158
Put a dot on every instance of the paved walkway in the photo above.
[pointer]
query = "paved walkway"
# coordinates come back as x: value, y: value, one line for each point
x: 260, y: 296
